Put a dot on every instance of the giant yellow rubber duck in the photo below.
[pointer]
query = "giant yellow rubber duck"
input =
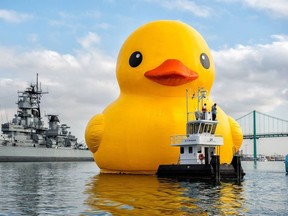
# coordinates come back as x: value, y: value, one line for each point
x: 155, y: 66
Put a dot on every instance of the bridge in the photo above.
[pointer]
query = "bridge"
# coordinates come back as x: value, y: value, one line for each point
x: 256, y: 125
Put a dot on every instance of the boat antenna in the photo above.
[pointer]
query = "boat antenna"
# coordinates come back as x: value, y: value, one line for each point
x: 201, y: 94
x: 187, y: 102
x: 38, y: 95
x: 37, y: 82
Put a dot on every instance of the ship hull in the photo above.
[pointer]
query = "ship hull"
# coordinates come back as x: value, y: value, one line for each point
x: 31, y: 154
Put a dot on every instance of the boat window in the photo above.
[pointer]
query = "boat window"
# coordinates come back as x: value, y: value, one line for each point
x: 190, y: 128
x: 205, y: 128
x: 201, y: 128
x: 213, y: 129
x: 195, y: 127
x: 209, y: 128
x: 190, y: 150
x: 181, y: 150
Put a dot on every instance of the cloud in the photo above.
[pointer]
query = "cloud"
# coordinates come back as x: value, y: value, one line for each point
x: 278, y: 8
x: 80, y: 84
x: 13, y: 16
x: 275, y: 8
x: 252, y: 77
x: 186, y: 6
x: 89, y: 40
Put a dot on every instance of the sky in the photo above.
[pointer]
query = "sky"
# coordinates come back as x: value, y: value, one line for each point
x: 73, y: 46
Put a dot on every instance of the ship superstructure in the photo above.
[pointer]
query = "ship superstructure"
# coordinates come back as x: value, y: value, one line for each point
x: 57, y: 135
x: 27, y: 128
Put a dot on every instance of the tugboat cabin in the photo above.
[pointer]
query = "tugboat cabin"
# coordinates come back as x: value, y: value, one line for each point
x: 200, y: 142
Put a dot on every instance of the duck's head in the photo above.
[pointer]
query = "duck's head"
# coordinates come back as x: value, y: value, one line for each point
x: 164, y: 58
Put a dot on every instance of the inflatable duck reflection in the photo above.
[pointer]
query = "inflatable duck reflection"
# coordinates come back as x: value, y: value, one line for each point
x: 155, y: 66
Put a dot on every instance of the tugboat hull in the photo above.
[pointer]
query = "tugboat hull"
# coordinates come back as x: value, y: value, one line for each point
x: 233, y: 171
x: 191, y: 171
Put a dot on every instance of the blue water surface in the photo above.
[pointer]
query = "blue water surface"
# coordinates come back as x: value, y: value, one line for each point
x: 77, y: 188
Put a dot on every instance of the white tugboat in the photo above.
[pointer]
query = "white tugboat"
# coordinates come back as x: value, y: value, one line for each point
x: 26, y: 138
x: 200, y: 148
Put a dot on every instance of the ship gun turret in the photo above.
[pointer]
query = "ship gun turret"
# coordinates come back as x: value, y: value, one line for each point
x: 57, y: 135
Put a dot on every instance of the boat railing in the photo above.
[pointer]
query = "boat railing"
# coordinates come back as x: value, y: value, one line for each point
x: 198, y: 115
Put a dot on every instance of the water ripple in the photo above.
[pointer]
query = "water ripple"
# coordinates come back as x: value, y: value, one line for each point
x: 78, y: 189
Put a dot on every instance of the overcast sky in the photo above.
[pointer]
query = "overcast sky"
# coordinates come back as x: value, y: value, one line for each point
x: 73, y: 45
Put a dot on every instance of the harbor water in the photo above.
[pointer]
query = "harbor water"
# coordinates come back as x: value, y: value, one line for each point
x: 77, y: 188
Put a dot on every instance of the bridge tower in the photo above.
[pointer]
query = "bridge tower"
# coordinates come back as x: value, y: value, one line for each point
x: 262, y: 126
x: 254, y: 135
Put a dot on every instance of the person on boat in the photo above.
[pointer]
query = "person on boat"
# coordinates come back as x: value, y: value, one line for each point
x: 214, y: 112
x: 204, y: 110
x: 201, y: 158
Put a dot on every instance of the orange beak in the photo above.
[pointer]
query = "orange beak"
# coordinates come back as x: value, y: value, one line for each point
x: 171, y: 72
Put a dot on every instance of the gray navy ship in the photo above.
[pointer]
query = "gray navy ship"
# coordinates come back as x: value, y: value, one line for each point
x: 26, y: 138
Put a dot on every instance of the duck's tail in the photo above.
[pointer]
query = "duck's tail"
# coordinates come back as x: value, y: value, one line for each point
x: 94, y: 132
x: 237, y: 134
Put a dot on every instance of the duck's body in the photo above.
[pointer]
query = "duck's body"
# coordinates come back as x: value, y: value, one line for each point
x: 132, y: 135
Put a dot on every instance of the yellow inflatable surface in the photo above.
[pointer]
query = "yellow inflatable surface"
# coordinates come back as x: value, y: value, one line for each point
x: 155, y: 66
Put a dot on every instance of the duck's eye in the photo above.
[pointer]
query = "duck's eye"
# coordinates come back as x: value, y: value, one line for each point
x: 135, y: 59
x: 204, y: 60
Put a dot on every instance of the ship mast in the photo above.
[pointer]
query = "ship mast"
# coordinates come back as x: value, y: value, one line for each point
x: 29, y: 103
x: 39, y: 92
x: 200, y: 95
